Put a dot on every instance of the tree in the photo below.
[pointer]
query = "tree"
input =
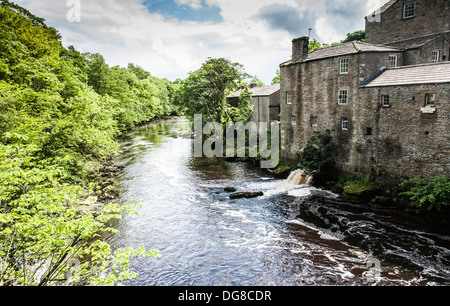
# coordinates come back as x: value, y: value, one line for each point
x: 277, y: 78
x: 315, y: 45
x: 357, y: 35
x: 205, y: 90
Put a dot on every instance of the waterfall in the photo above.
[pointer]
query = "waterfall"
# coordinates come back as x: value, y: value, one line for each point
x: 298, y: 177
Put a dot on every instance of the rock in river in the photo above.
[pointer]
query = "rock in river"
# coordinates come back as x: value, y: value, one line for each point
x: 230, y: 189
x: 247, y: 195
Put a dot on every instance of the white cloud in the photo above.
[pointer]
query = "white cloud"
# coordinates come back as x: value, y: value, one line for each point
x: 125, y: 31
x: 195, y: 4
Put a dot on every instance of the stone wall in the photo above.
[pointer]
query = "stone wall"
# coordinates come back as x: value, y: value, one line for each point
x: 431, y: 16
x: 405, y: 142
x: 421, y: 51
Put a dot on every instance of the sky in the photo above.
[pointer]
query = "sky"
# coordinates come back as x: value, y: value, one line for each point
x: 171, y: 38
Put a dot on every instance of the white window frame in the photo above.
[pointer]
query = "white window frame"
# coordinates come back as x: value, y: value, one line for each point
x: 430, y: 99
x: 343, y: 97
x: 393, y: 61
x: 409, y: 10
x: 385, y: 101
x: 344, y: 124
x: 344, y: 65
x: 293, y: 120
x: 435, y: 56
x: 288, y: 97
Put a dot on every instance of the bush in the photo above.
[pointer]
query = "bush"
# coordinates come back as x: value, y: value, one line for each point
x: 317, y: 155
x: 427, y: 194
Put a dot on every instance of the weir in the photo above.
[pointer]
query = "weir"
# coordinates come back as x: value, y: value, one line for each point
x: 299, y: 177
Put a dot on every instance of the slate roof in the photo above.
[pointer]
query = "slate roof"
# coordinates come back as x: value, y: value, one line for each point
x: 417, y: 74
x: 346, y: 49
x: 262, y: 91
x: 385, y: 7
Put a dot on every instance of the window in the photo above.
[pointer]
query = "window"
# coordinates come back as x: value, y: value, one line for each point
x: 392, y: 61
x: 313, y: 121
x: 293, y: 120
x: 343, y: 66
x: 369, y: 131
x: 430, y: 98
x: 343, y: 97
x: 344, y: 124
x: 385, y: 101
x: 408, y: 10
x: 435, y: 56
x: 288, y: 97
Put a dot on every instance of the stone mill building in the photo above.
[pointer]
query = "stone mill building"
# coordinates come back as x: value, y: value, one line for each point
x: 386, y: 101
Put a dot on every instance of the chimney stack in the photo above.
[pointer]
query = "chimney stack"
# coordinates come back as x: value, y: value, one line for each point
x: 300, y: 49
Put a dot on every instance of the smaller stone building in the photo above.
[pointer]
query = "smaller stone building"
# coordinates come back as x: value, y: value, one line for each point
x: 265, y: 101
x: 404, y: 122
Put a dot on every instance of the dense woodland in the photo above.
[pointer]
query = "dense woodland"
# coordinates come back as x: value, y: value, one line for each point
x: 61, y: 112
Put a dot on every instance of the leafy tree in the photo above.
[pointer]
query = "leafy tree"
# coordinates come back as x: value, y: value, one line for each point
x: 315, y: 45
x: 357, y: 35
x: 204, y: 91
x: 318, y: 153
x: 277, y: 78
x: 60, y: 112
x: 257, y: 81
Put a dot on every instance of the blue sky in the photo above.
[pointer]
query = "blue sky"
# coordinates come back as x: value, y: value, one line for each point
x: 171, y: 38
x: 184, y: 12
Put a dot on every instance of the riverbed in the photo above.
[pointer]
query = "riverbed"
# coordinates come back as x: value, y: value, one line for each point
x: 292, y: 235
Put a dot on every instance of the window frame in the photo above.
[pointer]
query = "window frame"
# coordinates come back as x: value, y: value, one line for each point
x: 344, y: 124
x: 293, y: 121
x: 344, y: 65
x: 390, y: 61
x: 313, y: 121
x: 383, y: 101
x: 430, y: 103
x: 288, y: 98
x: 435, y: 56
x: 346, y: 95
x: 407, y: 8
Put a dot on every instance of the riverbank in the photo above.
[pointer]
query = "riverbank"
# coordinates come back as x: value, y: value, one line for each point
x: 399, y: 195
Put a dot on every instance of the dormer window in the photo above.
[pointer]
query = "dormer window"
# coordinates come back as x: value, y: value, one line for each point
x: 409, y: 10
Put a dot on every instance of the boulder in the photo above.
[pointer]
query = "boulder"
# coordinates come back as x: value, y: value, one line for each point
x: 247, y: 195
x: 230, y: 189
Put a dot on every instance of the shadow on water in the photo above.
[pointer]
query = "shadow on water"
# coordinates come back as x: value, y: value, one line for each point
x: 293, y: 235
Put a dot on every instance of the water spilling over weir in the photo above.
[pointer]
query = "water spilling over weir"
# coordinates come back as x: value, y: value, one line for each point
x: 294, y: 234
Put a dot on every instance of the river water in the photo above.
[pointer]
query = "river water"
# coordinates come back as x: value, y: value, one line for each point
x: 293, y: 235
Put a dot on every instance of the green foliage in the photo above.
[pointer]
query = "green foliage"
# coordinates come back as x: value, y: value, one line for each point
x: 204, y: 91
x: 427, y: 194
x: 357, y: 35
x: 315, y: 45
x: 277, y: 78
x: 318, y: 153
x: 60, y: 113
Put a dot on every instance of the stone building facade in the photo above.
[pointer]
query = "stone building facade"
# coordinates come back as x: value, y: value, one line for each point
x: 375, y: 98
x: 265, y: 102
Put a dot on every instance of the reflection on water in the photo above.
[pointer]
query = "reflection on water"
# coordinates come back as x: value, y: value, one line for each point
x: 293, y: 235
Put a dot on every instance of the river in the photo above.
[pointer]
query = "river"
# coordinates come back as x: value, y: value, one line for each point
x: 291, y: 236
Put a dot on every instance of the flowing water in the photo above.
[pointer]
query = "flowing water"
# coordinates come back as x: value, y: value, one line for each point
x: 293, y: 235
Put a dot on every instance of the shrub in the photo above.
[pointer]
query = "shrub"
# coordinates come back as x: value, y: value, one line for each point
x: 427, y: 194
